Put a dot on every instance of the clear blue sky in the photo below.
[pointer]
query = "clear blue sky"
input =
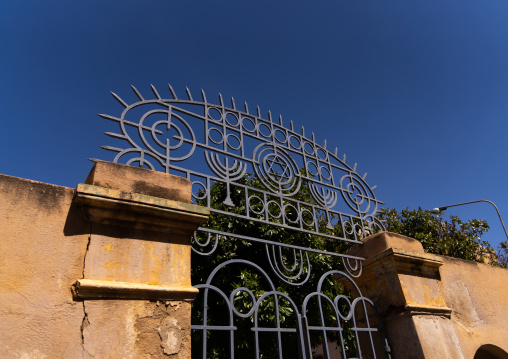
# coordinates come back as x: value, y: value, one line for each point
x: 415, y: 92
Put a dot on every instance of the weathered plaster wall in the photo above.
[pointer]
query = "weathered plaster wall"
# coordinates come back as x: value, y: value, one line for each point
x: 42, y: 249
x: 477, y: 294
x: 101, y: 271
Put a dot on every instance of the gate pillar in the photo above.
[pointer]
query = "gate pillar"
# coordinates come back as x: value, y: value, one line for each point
x: 136, y: 287
x: 404, y: 282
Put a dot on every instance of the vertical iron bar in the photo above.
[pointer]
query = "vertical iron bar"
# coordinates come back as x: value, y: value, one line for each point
x: 300, y: 337
x: 306, y: 349
x: 205, y: 321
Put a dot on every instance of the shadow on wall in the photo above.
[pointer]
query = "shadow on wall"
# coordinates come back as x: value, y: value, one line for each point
x: 489, y: 351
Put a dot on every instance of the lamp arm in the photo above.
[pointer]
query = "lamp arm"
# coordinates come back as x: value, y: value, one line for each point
x: 480, y: 200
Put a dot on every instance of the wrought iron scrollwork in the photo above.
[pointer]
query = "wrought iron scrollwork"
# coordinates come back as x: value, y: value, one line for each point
x: 162, y: 133
x: 247, y: 168
x: 355, y: 317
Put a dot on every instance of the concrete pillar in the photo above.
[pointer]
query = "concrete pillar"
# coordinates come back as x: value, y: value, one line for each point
x: 136, y: 288
x: 404, y: 282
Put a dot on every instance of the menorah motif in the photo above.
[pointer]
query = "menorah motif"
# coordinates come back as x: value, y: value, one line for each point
x: 229, y: 173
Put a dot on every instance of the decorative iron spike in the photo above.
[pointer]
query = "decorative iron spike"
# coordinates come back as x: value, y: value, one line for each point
x: 233, y: 103
x: 280, y: 120
x: 354, y: 167
x: 188, y: 93
x: 259, y: 111
x: 269, y: 116
x: 335, y: 153
x: 203, y: 96
x: 172, y: 92
x: 313, y: 138
x: 344, y: 158
x: 110, y: 148
x: 246, y: 107
x: 108, y: 117
x: 115, y: 135
x: 137, y: 93
x: 119, y: 99
x: 291, y: 126
x: 364, y: 176
x: 373, y: 187
x: 93, y: 160
x: 324, y: 145
x: 221, y: 100
x: 154, y: 90
x: 303, y: 131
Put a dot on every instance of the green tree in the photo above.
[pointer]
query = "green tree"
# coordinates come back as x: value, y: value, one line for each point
x: 453, y: 238
x: 502, y: 254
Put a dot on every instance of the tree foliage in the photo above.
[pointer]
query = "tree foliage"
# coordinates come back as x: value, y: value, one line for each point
x: 453, y: 238
x: 502, y: 254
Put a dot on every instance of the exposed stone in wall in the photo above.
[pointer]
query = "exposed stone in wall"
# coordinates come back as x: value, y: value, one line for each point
x: 138, y: 329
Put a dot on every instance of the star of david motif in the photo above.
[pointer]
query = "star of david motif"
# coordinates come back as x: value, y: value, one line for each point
x: 278, y: 169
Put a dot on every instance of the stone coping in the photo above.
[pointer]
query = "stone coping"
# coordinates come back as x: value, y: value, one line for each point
x: 401, y: 254
x: 140, y: 180
x: 112, y: 206
x: 103, y: 192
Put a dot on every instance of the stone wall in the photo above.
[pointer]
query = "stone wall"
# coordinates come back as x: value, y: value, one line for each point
x: 100, y: 271
x: 103, y: 271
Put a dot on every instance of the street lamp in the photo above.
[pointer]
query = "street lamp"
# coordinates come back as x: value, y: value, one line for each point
x: 440, y: 209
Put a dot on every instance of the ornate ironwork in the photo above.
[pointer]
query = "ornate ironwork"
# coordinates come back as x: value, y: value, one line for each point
x: 352, y: 314
x: 233, y: 143
x: 267, y: 174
